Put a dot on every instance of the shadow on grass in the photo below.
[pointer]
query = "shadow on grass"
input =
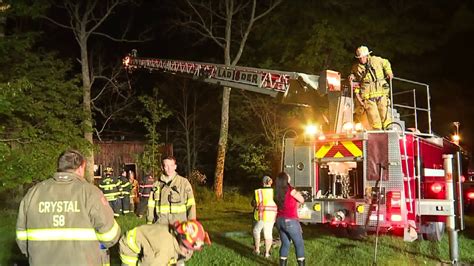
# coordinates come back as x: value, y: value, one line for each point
x: 239, y: 248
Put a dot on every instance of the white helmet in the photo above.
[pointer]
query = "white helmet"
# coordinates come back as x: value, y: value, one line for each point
x: 362, y: 51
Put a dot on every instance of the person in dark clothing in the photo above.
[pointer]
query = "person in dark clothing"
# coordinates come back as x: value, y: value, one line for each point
x: 110, y: 187
x: 126, y: 188
x: 287, y: 222
x: 144, y: 190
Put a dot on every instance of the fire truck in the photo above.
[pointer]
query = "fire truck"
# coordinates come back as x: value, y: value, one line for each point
x: 353, y: 179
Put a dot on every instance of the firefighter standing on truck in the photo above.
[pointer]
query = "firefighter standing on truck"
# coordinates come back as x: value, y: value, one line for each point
x: 172, y: 198
x: 372, y: 98
x: 110, y: 187
x: 160, y: 244
x: 65, y: 220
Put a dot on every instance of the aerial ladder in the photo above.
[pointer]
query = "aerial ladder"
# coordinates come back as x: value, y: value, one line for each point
x: 293, y: 88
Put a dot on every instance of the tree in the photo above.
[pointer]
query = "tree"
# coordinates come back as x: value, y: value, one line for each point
x: 85, y: 19
x: 228, y: 24
x: 157, y: 110
x: 190, y: 124
x: 40, y: 109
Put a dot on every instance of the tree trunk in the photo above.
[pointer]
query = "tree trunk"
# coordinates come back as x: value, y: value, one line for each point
x: 86, y: 87
x: 222, y: 146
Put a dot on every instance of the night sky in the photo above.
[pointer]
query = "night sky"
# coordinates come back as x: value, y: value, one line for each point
x: 446, y: 66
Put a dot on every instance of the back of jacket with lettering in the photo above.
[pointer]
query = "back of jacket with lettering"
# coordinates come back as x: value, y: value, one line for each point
x: 65, y: 220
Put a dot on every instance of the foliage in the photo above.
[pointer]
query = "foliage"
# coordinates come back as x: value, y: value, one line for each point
x: 325, y: 33
x: 157, y: 110
x: 197, y: 178
x: 40, y: 110
x: 252, y: 159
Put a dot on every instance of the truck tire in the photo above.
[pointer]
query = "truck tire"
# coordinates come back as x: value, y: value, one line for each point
x: 433, y: 231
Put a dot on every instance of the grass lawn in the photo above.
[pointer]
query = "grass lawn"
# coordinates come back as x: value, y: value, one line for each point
x: 229, y: 223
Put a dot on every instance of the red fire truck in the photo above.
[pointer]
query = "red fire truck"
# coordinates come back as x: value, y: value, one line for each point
x: 352, y: 178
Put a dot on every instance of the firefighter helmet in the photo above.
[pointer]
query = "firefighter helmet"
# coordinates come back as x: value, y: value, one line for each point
x: 192, y: 234
x: 362, y: 51
x: 108, y: 170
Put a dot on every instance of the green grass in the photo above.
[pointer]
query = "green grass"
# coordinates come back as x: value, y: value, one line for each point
x: 229, y: 223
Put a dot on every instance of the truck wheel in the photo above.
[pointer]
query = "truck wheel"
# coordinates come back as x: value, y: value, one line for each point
x: 433, y: 231
x: 357, y: 232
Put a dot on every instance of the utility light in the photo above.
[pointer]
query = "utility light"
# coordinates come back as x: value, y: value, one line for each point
x: 311, y: 129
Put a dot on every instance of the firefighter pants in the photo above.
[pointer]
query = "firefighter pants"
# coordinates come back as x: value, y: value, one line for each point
x: 290, y: 229
x: 114, y: 204
x: 142, y: 206
x: 125, y: 204
x: 375, y: 111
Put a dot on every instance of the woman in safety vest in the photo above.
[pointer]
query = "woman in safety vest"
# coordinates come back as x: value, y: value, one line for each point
x: 265, y: 211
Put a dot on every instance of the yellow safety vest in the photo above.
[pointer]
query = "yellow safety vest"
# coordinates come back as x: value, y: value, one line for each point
x: 266, y: 208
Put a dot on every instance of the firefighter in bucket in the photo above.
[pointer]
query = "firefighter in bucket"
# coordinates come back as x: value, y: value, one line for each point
x: 372, y: 96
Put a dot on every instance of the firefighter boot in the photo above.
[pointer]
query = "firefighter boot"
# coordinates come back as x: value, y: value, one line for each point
x: 283, y: 261
x: 301, y: 262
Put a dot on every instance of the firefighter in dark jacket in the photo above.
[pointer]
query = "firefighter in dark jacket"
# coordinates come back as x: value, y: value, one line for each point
x: 110, y: 187
x: 65, y: 220
x: 159, y: 244
x: 126, y: 187
x: 146, y: 185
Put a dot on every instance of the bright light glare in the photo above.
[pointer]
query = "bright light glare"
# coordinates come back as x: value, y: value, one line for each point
x: 396, y: 218
x: 436, y: 187
x: 470, y: 195
x: 456, y: 138
x: 311, y: 129
x: 348, y: 126
x: 359, y: 127
x: 126, y: 61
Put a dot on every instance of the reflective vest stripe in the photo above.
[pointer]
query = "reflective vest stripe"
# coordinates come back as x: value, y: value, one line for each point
x: 166, y: 207
x: 67, y: 234
x: 266, y: 208
x: 57, y: 234
x: 259, y: 196
x: 190, y: 202
x: 107, y: 186
x: 21, y: 235
x: 174, y: 208
x: 374, y: 94
x: 131, y: 240
x: 128, y: 260
x: 151, y: 202
x: 109, y: 235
